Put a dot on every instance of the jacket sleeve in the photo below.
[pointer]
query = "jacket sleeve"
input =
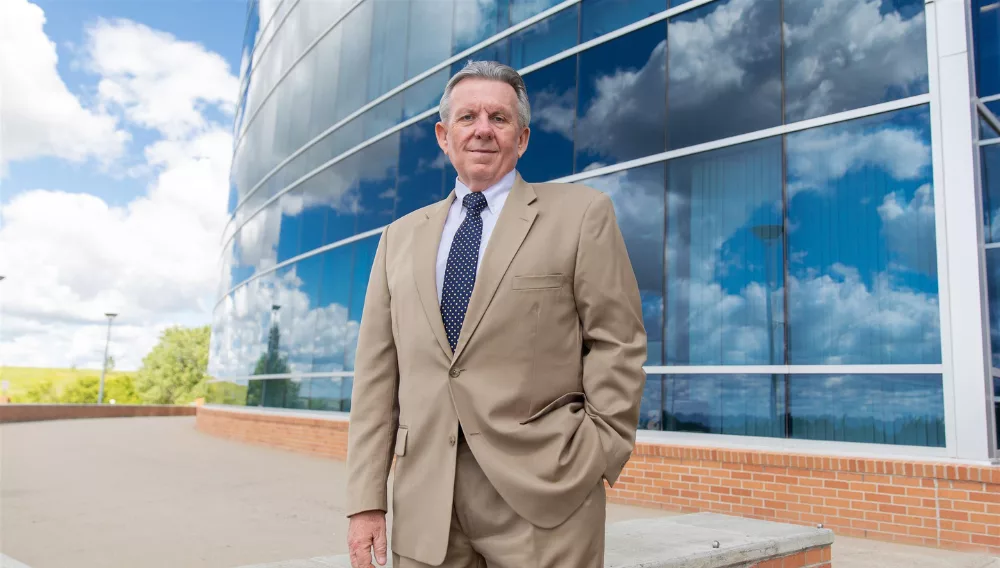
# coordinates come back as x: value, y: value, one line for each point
x: 374, y: 403
x: 614, y: 338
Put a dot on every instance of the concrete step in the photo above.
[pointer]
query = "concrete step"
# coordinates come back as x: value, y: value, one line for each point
x: 699, y: 540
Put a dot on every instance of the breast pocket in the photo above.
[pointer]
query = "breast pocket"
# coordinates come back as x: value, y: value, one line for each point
x: 538, y: 282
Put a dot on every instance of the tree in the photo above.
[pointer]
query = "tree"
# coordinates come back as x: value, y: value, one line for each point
x: 41, y: 392
x: 82, y: 391
x: 175, y: 371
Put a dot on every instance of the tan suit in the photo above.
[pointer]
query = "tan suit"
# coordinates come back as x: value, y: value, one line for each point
x: 546, y: 378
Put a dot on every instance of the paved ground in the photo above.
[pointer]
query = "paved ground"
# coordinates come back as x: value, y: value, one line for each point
x: 154, y: 492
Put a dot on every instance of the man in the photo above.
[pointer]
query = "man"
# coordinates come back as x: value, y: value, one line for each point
x: 499, y: 359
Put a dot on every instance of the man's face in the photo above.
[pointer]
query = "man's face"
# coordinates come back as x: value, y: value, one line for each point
x: 482, y: 138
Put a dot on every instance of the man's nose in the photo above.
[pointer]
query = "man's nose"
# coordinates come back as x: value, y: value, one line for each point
x: 483, y: 129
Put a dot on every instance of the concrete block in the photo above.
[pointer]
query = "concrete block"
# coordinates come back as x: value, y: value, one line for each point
x: 684, y: 541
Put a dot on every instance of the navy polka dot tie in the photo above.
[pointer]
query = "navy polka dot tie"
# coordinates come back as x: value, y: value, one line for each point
x: 460, y: 272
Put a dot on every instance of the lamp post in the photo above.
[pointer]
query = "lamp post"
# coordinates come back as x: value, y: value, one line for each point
x: 769, y: 235
x: 104, y: 367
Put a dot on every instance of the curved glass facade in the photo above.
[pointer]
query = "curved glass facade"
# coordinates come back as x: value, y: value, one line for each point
x: 769, y: 161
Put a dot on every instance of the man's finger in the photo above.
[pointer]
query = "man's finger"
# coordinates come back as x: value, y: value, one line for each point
x: 380, y: 545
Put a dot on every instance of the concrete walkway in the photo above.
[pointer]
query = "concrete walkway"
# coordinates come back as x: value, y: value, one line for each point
x: 154, y: 492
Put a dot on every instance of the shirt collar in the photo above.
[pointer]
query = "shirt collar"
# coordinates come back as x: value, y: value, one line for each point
x: 495, y: 194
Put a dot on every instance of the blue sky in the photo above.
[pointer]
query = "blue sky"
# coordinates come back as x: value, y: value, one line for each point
x: 113, y: 172
x: 217, y: 25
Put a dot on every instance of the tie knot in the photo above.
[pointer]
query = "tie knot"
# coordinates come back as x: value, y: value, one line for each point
x: 475, y: 202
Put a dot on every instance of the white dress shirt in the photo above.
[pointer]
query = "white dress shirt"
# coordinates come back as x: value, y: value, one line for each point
x: 495, y: 196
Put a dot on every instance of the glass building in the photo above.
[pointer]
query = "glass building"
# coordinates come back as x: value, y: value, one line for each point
x: 807, y: 194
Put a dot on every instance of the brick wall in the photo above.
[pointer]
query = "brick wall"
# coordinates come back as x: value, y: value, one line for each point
x: 933, y: 504
x: 948, y: 506
x: 322, y: 436
x: 813, y: 558
x: 35, y: 412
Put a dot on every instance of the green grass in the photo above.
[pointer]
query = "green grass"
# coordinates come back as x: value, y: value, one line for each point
x: 22, y: 378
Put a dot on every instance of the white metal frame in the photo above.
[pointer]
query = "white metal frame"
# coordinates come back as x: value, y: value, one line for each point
x: 961, y: 261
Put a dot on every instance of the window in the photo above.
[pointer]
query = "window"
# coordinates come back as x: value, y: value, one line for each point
x: 386, y: 67
x: 552, y: 94
x: 364, y: 256
x: 429, y: 36
x: 421, y: 167
x: 331, y: 311
x: 376, y: 178
x: 990, y: 167
x: 521, y: 10
x: 605, y: 16
x: 736, y: 405
x: 986, y: 30
x: 621, y: 114
x: 852, y: 54
x: 477, y: 20
x: 879, y: 409
x: 724, y: 256
x: 638, y: 196
x: 544, y: 39
x: 862, y: 269
x: 723, y: 79
x: 298, y: 292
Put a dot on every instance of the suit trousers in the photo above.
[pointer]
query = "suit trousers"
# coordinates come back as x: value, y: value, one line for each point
x: 487, y: 533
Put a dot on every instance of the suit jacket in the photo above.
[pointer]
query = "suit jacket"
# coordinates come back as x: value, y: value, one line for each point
x: 546, y: 378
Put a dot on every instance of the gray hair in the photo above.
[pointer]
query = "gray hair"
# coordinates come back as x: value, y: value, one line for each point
x: 493, y: 71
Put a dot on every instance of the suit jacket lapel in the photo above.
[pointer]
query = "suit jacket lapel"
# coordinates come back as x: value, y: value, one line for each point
x: 515, y: 220
x: 425, y: 249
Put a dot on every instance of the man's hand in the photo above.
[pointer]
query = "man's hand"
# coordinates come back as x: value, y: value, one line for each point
x: 367, y: 530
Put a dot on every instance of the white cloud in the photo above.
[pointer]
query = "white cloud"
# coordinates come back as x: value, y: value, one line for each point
x: 160, y: 83
x: 70, y: 257
x: 847, y: 53
x: 817, y: 157
x: 39, y: 115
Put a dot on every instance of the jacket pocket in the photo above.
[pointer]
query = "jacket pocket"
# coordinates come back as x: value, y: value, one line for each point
x: 537, y: 282
x: 401, y: 441
x: 575, y: 398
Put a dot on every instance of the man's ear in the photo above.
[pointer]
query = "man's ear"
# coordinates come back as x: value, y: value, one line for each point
x: 522, y: 142
x: 441, y: 131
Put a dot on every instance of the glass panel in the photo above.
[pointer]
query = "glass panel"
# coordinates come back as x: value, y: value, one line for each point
x: 993, y: 292
x: 736, y: 405
x: 849, y: 55
x: 724, y: 78
x: 651, y: 407
x: 290, y: 224
x: 383, y: 116
x: 724, y: 257
x: 232, y: 392
x: 376, y: 180
x: 545, y: 39
x: 638, y: 195
x: 605, y: 16
x: 429, y: 35
x: 552, y: 94
x: 496, y: 51
x: 986, y: 34
x: 364, y: 256
x: 326, y: 394
x: 298, y: 293
x: 678, y: 2
x: 386, y: 66
x: 421, y: 167
x: 327, y: 77
x: 862, y: 259
x: 990, y: 156
x: 622, y: 99
x: 424, y: 95
x: 986, y: 131
x: 521, y: 10
x: 478, y: 20
x: 354, y: 61
x: 881, y: 409
x: 331, y: 190
x: 331, y: 312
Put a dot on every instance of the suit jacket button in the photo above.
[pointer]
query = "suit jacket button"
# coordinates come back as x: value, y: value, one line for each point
x: 455, y: 373
x: 451, y: 440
